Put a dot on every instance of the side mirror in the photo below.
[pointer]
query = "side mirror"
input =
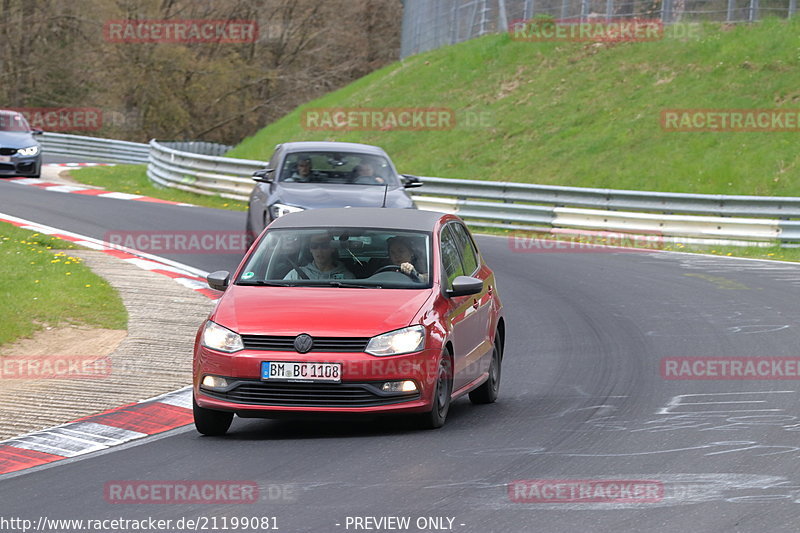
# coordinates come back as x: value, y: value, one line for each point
x: 409, y: 181
x: 263, y: 175
x: 219, y: 280
x: 465, y: 285
x: 36, y: 132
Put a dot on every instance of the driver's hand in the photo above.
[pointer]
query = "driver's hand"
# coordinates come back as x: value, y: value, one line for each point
x: 407, y: 268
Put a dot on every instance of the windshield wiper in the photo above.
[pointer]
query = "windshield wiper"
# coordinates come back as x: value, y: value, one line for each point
x: 337, y: 283
x: 263, y: 283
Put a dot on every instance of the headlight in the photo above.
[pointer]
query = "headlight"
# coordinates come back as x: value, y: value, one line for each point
x: 218, y: 338
x: 406, y: 340
x: 31, y: 150
x: 278, y: 210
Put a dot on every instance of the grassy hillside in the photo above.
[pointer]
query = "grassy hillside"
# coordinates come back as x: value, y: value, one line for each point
x: 585, y: 114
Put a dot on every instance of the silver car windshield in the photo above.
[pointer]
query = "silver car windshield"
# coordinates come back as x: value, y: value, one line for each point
x: 345, y: 257
x: 345, y: 168
x: 13, y: 122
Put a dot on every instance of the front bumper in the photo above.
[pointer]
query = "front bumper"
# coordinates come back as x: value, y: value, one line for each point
x: 358, y: 392
x: 21, y: 166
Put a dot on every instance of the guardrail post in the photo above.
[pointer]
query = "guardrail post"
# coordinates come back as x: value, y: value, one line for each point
x: 527, y: 14
x: 729, y: 16
x: 752, y: 14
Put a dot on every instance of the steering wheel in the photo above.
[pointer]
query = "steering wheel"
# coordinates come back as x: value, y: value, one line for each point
x: 396, y: 268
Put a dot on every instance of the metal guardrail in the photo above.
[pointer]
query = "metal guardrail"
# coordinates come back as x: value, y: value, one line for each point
x: 197, y: 147
x: 108, y: 150
x: 486, y: 204
x: 525, y: 207
x: 616, y: 199
x: 201, y: 174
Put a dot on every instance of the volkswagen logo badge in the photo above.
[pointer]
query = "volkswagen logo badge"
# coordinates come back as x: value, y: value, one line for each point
x: 303, y: 343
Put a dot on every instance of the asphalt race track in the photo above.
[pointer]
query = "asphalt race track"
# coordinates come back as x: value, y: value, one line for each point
x: 582, y: 398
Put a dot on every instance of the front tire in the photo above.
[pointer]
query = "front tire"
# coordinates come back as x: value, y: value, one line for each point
x: 210, y: 422
x: 435, y: 418
x: 487, y: 393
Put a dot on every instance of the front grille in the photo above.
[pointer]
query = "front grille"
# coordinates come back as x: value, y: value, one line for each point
x: 6, y: 166
x: 309, y: 394
x: 321, y: 344
x: 8, y: 151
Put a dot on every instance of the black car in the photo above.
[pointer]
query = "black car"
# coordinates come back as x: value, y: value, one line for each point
x: 20, y: 153
x: 312, y: 175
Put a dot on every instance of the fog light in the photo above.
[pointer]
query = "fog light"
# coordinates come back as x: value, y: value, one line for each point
x: 215, y: 382
x: 399, y: 386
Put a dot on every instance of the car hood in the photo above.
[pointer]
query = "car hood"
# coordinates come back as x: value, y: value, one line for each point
x: 319, y: 195
x: 318, y: 311
x: 16, y: 139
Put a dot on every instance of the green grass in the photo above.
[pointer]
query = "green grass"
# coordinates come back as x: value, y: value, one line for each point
x: 774, y: 252
x: 41, y: 284
x: 584, y: 114
x: 133, y: 179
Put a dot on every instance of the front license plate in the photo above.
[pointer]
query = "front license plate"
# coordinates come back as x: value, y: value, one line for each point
x: 287, y: 370
x: 5, y: 158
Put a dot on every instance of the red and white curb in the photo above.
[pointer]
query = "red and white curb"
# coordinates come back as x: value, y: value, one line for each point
x: 187, y: 276
x: 80, y: 164
x: 89, y: 191
x: 122, y: 424
x: 97, y: 432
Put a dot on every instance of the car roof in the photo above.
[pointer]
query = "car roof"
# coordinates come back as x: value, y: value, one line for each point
x: 330, y: 146
x: 361, y: 217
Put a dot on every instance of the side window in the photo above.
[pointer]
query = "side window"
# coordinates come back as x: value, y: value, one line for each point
x: 451, y: 262
x: 469, y: 256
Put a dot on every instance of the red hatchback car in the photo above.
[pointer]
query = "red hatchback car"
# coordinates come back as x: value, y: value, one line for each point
x: 361, y: 310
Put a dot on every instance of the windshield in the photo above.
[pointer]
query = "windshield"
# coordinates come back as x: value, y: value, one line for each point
x: 344, y: 257
x: 337, y: 167
x: 13, y: 122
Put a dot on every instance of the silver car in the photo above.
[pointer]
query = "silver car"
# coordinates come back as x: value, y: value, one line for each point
x: 20, y: 153
x: 313, y: 175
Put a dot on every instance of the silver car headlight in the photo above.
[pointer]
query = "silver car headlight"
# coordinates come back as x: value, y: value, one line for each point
x: 29, y: 151
x: 406, y: 340
x: 218, y: 338
x: 278, y: 210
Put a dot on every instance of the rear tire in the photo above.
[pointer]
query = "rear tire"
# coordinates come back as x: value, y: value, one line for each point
x: 435, y: 418
x: 210, y: 422
x: 487, y: 393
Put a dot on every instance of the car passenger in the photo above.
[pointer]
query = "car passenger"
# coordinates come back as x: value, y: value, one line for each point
x: 403, y: 254
x: 364, y: 174
x: 325, y: 263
